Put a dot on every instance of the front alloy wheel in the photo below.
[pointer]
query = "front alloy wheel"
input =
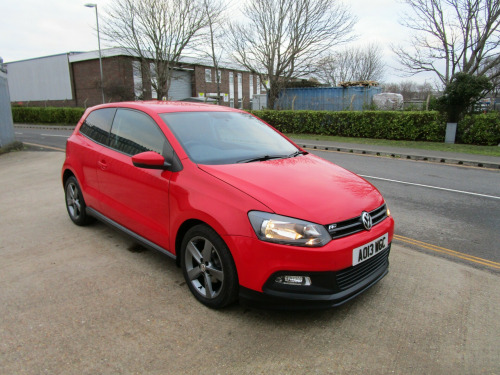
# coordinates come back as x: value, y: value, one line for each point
x: 208, y: 267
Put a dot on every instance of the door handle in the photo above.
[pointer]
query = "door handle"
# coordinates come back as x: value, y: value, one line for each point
x: 102, y: 165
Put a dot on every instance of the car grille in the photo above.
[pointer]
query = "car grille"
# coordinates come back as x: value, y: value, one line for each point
x: 353, y: 275
x: 355, y: 225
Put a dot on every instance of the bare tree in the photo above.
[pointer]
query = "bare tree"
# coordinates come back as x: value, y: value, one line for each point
x: 410, y: 90
x: 157, y: 31
x: 214, y: 37
x: 494, y: 74
x: 451, y: 36
x: 283, y: 37
x: 351, y: 64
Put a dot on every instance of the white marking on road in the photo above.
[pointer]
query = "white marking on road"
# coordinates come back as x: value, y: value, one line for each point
x: 55, y: 135
x: 432, y: 187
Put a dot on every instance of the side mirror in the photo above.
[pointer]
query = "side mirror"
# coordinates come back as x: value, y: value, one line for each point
x: 150, y: 160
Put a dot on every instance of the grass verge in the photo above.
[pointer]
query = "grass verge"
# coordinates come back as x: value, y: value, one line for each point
x: 434, y: 146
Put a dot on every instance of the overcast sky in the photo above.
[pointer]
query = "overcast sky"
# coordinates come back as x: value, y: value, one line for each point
x: 35, y: 28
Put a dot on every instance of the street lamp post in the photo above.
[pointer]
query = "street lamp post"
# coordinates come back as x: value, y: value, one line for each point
x: 91, y: 5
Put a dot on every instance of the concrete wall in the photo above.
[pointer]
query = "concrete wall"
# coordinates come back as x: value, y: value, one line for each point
x: 6, y: 125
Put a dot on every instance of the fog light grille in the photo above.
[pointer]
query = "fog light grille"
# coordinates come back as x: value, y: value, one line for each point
x: 293, y: 280
x: 353, y: 275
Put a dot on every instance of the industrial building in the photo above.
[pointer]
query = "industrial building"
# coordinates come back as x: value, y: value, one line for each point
x: 73, y: 80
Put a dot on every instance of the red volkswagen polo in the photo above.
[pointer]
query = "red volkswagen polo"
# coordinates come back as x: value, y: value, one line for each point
x: 245, y: 212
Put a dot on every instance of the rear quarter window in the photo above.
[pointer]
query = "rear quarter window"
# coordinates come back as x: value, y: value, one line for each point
x: 134, y: 132
x: 98, y: 124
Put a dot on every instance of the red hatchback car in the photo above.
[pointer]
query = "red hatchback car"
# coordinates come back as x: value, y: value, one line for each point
x: 245, y: 212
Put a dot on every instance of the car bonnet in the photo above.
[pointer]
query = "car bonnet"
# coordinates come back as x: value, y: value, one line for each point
x: 305, y: 187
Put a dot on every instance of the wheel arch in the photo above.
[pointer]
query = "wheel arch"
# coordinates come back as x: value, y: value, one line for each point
x: 67, y: 174
x: 181, y: 232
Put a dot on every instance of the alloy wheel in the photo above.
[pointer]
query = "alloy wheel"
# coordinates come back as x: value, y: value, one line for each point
x: 73, y: 201
x: 204, y: 267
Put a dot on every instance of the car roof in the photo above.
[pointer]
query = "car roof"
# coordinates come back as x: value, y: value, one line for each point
x: 159, y: 106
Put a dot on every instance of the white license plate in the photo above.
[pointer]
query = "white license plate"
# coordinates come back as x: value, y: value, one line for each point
x: 365, y: 252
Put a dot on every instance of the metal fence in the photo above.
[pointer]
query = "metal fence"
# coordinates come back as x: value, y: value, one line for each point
x: 6, y: 124
x: 327, y: 98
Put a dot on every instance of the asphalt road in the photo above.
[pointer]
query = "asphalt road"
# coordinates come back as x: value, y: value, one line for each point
x: 49, y: 138
x: 446, y: 207
x: 445, y: 210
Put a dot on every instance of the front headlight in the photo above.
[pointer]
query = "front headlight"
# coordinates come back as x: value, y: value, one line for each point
x: 286, y: 230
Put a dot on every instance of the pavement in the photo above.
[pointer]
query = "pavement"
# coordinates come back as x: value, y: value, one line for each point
x: 86, y: 300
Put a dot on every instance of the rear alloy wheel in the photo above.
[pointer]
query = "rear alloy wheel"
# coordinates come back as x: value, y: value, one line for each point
x: 75, y: 204
x: 208, y: 267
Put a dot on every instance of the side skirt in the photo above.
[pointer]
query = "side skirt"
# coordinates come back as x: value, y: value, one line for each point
x: 135, y: 236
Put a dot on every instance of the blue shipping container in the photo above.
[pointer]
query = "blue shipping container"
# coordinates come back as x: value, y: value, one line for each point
x: 327, y: 98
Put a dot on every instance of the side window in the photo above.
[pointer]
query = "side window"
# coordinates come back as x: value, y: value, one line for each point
x: 134, y: 132
x: 97, y: 125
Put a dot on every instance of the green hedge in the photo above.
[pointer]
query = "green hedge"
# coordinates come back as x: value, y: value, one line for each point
x: 47, y: 115
x: 412, y: 126
x: 481, y: 129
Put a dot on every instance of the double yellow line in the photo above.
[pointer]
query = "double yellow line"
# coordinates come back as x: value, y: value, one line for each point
x: 47, y: 147
x: 449, y: 252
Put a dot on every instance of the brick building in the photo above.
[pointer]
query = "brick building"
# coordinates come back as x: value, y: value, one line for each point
x: 73, y: 79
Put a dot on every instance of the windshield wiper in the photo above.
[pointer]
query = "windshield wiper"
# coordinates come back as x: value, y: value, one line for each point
x: 297, y: 153
x: 269, y: 157
x: 261, y: 158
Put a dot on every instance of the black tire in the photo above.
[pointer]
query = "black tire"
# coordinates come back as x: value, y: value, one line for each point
x: 213, y: 281
x: 75, y: 204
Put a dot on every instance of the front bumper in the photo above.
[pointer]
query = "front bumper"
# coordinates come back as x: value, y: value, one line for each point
x: 334, y: 279
x: 327, y: 289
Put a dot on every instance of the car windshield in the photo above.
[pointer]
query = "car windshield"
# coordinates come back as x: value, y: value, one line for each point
x: 227, y: 137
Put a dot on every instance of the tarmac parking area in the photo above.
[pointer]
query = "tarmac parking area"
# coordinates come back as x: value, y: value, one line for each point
x: 88, y: 301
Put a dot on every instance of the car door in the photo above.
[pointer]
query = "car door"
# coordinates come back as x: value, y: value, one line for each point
x: 93, y: 139
x: 133, y: 197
